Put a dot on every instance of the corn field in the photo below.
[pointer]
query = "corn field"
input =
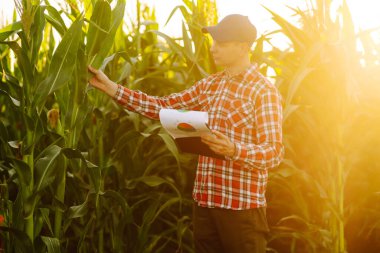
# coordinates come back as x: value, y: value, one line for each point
x: 80, y: 174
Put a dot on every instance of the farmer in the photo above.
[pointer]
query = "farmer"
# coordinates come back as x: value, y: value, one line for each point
x: 245, y: 114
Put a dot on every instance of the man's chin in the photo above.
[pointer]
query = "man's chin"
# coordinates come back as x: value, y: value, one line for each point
x: 219, y: 63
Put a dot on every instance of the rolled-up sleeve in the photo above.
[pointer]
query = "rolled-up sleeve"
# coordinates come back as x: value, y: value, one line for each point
x: 268, y: 152
x: 150, y: 106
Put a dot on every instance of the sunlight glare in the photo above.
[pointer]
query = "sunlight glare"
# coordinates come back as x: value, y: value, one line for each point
x: 365, y: 13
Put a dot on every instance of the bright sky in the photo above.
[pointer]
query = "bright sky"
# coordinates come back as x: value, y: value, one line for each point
x: 365, y: 12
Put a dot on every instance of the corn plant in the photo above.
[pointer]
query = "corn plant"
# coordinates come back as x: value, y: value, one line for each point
x: 49, y: 95
x: 71, y: 135
x: 80, y: 174
x: 160, y: 218
x: 319, y: 80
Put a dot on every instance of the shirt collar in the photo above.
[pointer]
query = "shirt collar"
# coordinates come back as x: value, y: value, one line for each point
x: 249, y: 73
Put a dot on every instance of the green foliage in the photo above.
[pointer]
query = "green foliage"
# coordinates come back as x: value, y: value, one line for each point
x: 59, y: 149
x: 80, y: 174
x: 62, y: 64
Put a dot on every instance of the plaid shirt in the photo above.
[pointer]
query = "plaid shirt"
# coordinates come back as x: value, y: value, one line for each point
x: 245, y: 107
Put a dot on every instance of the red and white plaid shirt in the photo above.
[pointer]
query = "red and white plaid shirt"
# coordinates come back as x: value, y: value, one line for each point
x: 245, y: 107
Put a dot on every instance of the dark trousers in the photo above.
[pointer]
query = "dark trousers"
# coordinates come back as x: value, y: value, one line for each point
x: 218, y: 230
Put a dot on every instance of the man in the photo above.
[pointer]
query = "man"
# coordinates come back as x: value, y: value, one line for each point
x: 245, y: 114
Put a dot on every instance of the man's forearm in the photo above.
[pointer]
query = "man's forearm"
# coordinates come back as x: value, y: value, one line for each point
x: 263, y: 156
x: 111, y: 89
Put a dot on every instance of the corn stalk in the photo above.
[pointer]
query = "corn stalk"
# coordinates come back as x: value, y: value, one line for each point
x: 63, y: 79
x: 321, y: 64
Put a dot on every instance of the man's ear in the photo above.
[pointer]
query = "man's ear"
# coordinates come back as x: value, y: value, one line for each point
x: 245, y: 47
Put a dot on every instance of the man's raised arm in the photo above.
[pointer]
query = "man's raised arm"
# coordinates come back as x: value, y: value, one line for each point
x: 140, y: 102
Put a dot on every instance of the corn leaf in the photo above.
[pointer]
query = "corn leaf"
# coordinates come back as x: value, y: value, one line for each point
x: 45, y: 167
x: 22, y: 61
x: 21, y: 240
x: 84, y: 234
x: 23, y: 172
x: 162, y: 207
x: 9, y: 30
x: 92, y: 169
x: 151, y: 181
x: 170, y: 144
x: 108, y: 40
x: 78, y: 211
x: 99, y: 26
x: 296, y: 35
x: 62, y: 64
x: 45, y: 216
x: 37, y: 31
x: 117, y: 197
x: 13, y: 100
x: 52, y: 244
x: 55, y: 19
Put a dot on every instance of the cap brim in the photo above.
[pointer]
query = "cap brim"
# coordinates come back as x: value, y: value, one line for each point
x: 215, y: 34
x: 206, y: 29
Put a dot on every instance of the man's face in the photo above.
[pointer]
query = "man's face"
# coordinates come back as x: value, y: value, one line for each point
x: 228, y: 54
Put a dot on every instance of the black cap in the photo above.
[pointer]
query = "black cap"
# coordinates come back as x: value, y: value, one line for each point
x: 234, y: 27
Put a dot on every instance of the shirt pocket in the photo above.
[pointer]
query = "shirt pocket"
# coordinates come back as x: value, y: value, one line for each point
x: 241, y: 114
x: 208, y: 101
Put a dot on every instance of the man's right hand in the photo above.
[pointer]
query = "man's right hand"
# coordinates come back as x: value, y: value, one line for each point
x: 102, y: 82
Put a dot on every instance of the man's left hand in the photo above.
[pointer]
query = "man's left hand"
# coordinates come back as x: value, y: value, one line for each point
x: 219, y: 143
